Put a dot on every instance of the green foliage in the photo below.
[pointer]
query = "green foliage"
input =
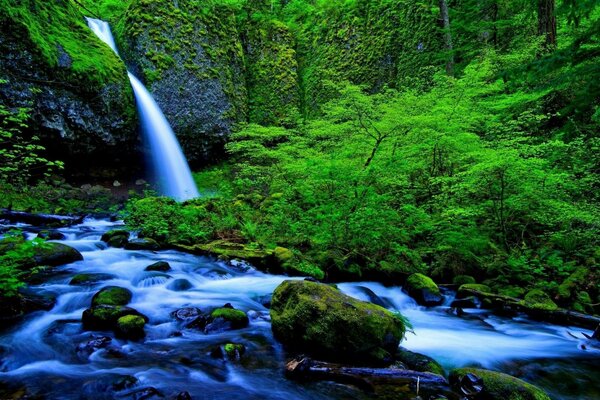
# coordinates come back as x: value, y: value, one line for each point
x: 21, y: 159
x: 15, y: 257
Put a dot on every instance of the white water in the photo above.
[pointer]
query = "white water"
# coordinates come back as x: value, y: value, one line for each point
x: 42, y: 349
x: 170, y: 166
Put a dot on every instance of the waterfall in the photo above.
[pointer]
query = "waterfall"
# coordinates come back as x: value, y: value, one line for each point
x: 172, y: 170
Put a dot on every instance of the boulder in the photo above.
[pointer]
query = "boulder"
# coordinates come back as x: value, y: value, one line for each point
x: 142, y: 244
x: 418, y: 362
x: 318, y: 319
x: 226, y: 318
x: 116, y: 238
x: 462, y: 279
x: 54, y: 254
x: 105, y: 317
x: 161, y: 266
x: 112, y: 296
x: 89, y: 279
x: 424, y: 290
x: 538, y: 300
x: 484, y: 384
x: 130, y: 327
x: 51, y: 235
x: 179, y: 285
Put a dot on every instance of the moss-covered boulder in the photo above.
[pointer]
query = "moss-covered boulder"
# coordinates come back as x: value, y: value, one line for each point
x: 226, y: 318
x: 318, y: 319
x: 226, y: 250
x: 130, y: 327
x: 538, y: 300
x: 142, y: 244
x: 424, y: 290
x: 418, y: 362
x: 89, y: 279
x: 496, y: 385
x: 463, y: 279
x: 54, y: 254
x: 159, y: 266
x: 468, y: 289
x: 116, y: 238
x: 51, y: 235
x: 104, y: 317
x: 81, y: 100
x: 112, y: 296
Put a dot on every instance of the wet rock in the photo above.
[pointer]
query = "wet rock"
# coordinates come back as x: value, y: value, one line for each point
x: 130, y: 327
x: 160, y: 266
x: 462, y: 279
x: 94, y: 344
x: 467, y: 289
x: 418, y: 362
x: 180, y: 285
x: 424, y: 290
x: 55, y: 254
x: 226, y: 318
x: 39, y: 219
x: 234, y: 351
x: 493, y: 385
x: 124, y: 382
x: 319, y: 319
x: 51, y: 235
x: 142, y: 244
x: 183, y: 396
x: 112, y: 296
x: 107, y: 236
x: 373, y: 298
x: 105, y: 317
x: 145, y: 393
x: 89, y: 279
x: 192, y: 317
x: 467, y: 302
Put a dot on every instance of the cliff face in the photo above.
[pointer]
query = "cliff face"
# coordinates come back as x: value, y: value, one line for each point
x: 210, y: 64
x: 81, y: 103
x: 190, y: 57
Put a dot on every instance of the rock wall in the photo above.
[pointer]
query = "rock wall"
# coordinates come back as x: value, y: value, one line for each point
x: 81, y: 103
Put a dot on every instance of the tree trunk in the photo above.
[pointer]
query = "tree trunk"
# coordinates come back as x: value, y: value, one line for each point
x: 445, y: 15
x: 547, y: 22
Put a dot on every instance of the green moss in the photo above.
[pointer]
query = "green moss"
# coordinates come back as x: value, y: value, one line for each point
x: 463, y: 279
x: 237, y: 318
x: 538, y: 300
x: 419, y: 362
x: 115, y: 233
x: 419, y: 281
x: 576, y: 279
x: 234, y: 350
x: 112, y: 296
x: 512, y: 291
x: 475, y: 286
x: 497, y: 385
x: 319, y: 319
x: 131, y: 326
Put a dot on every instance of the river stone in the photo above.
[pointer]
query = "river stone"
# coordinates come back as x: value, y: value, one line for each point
x: 89, y: 279
x: 179, y: 285
x: 142, y: 244
x: 105, y: 317
x: 424, y: 290
x: 51, y: 235
x: 130, y: 327
x: 161, y: 266
x: 494, y: 385
x: 54, y: 254
x: 112, y: 296
x: 418, y: 362
x: 317, y: 318
x: 114, y: 233
x: 226, y: 318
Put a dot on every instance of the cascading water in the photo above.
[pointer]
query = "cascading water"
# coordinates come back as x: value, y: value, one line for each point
x: 170, y: 166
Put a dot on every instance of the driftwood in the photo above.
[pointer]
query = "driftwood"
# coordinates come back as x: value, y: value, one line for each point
x: 39, y: 219
x: 369, y: 379
x: 559, y: 317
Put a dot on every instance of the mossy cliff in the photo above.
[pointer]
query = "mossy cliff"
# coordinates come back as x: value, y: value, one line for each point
x: 80, y: 99
x: 190, y: 55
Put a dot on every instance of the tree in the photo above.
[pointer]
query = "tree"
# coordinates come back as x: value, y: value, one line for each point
x: 547, y: 22
x: 445, y: 17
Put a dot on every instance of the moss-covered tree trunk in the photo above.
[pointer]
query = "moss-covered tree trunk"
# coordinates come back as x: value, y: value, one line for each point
x: 547, y: 22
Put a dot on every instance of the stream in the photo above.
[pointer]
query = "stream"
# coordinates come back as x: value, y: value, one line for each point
x: 45, y: 356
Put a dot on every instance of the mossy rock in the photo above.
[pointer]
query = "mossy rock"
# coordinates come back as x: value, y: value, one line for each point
x: 538, y: 300
x: 105, y: 317
x: 567, y: 289
x: 318, y: 319
x: 112, y: 296
x: 468, y: 288
x: 160, y: 266
x: 512, y: 291
x: 497, y: 385
x: 51, y: 235
x: 230, y: 251
x: 234, y: 351
x: 115, y: 233
x: 89, y: 279
x: 463, y: 279
x: 237, y: 319
x: 418, y: 362
x: 130, y: 327
x: 54, y: 254
x: 142, y: 244
x: 423, y: 289
x: 283, y: 255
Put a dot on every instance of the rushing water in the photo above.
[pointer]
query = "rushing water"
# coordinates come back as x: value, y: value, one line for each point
x: 41, y: 353
x: 170, y: 166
